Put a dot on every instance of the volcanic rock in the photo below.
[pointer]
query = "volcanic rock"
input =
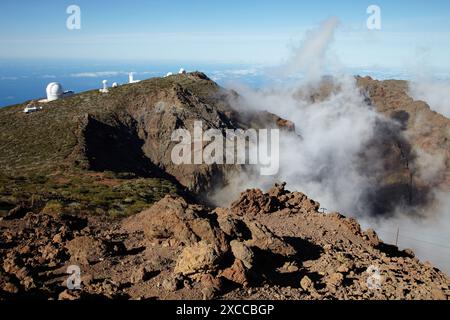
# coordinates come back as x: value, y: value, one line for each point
x: 237, y: 273
x: 85, y: 250
x: 243, y: 253
x: 264, y: 239
x: 306, y: 283
x: 174, y: 218
x: 197, y: 259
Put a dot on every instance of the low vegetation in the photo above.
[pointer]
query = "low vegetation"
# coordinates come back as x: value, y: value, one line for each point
x: 97, y: 193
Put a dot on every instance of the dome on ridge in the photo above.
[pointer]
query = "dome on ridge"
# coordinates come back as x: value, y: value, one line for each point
x: 54, y: 91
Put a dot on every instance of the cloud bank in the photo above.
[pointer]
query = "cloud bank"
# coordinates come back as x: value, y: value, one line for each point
x: 335, y: 156
x: 435, y: 93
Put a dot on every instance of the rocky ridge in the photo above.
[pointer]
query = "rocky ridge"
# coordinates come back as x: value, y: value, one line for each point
x: 282, y: 247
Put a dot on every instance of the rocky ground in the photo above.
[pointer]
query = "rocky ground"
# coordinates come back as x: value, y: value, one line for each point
x: 274, y: 245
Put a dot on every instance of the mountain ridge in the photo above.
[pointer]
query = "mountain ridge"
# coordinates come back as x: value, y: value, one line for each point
x: 88, y: 180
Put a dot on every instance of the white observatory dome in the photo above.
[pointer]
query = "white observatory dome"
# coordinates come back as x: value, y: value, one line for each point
x: 131, y: 78
x: 54, y: 91
x: 182, y: 71
x: 105, y: 87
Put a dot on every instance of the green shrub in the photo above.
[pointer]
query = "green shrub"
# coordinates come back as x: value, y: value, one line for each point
x: 53, y: 208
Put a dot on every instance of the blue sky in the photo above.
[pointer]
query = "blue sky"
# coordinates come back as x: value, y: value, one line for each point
x: 245, y: 31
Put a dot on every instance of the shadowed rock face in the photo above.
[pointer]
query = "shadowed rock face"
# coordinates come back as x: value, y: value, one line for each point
x: 421, y: 127
x: 138, y: 139
x: 393, y: 159
x: 116, y: 147
x: 394, y: 173
x: 414, y: 129
x: 167, y: 111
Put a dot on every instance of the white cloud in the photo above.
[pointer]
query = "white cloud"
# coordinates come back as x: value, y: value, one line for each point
x: 435, y: 93
x: 325, y: 162
x: 97, y: 74
x: 9, y: 78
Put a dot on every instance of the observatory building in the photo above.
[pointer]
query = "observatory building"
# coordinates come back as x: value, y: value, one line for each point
x: 30, y: 108
x: 131, y: 78
x: 182, y: 71
x: 104, y: 89
x: 55, y: 91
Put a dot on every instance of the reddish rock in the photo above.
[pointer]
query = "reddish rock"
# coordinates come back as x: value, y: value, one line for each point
x: 236, y: 273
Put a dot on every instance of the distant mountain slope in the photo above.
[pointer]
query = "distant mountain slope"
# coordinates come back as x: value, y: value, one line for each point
x: 408, y: 157
x: 43, y: 140
x: 425, y: 129
x: 125, y: 133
